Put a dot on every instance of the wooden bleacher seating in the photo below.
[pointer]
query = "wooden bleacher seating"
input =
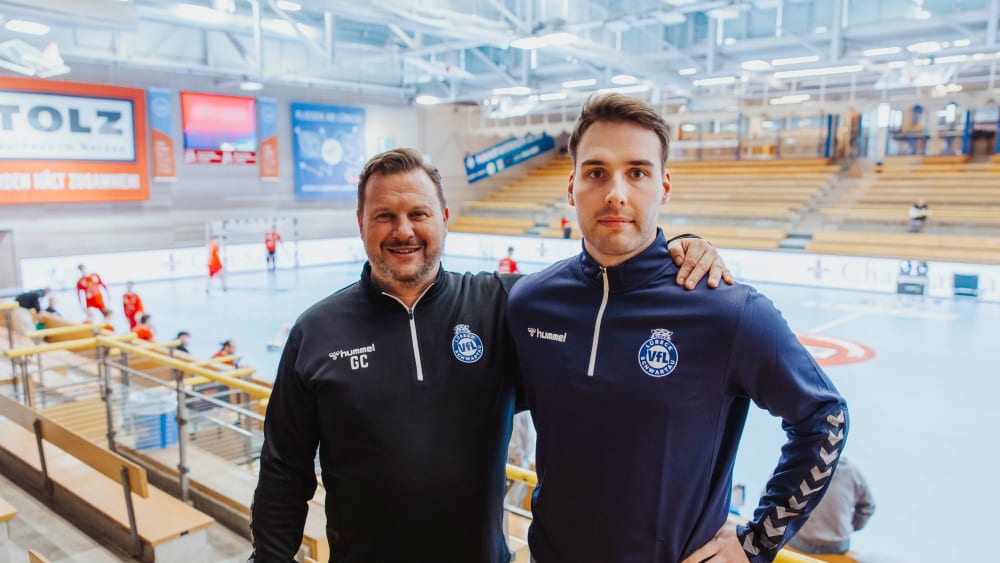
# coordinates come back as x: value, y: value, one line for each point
x: 491, y: 225
x: 774, y: 190
x: 958, y: 192
x: 87, y: 485
x: 908, y: 246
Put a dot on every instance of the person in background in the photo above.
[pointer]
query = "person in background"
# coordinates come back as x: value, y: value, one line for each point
x: 51, y: 307
x: 271, y: 240
x: 144, y: 330
x: 32, y: 300
x: 185, y: 338
x: 215, y: 269
x: 406, y: 378
x: 567, y: 228
x: 227, y: 348
x: 846, y: 508
x: 90, y: 290
x: 639, y: 390
x: 132, y: 304
x: 508, y: 265
x: 919, y: 212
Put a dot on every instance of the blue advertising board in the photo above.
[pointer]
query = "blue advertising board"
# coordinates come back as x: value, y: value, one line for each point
x: 501, y: 156
x: 328, y: 145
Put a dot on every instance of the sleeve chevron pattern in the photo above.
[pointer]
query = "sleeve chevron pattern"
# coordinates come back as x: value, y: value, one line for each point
x: 777, y: 523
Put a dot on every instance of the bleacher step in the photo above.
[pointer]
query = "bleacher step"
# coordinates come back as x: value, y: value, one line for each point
x: 795, y: 241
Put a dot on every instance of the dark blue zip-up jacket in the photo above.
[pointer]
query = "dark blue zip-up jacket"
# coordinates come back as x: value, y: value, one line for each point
x: 639, y: 391
x: 411, y: 411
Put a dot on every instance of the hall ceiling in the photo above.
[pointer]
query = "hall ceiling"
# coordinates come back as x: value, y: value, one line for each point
x: 709, y: 53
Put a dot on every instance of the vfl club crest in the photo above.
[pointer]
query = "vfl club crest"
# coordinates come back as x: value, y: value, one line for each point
x: 658, y: 355
x: 466, y: 345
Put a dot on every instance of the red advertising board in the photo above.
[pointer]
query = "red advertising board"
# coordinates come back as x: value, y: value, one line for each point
x: 69, y: 142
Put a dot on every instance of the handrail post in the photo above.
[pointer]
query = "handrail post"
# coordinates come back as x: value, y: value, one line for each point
x: 130, y: 508
x: 182, y: 467
x: 104, y: 369
x: 46, y: 481
x: 9, y: 323
x: 26, y: 386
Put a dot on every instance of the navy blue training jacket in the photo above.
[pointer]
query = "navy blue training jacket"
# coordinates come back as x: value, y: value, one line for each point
x: 639, y: 391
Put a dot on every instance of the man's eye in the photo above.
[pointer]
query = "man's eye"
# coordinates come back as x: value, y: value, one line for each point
x: 383, y: 217
x: 595, y: 174
x: 638, y: 174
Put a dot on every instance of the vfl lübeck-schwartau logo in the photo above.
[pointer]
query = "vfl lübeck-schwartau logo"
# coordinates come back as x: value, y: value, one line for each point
x: 466, y: 345
x: 658, y: 355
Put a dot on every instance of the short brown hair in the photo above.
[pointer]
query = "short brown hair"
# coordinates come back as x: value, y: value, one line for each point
x: 398, y: 161
x: 618, y: 107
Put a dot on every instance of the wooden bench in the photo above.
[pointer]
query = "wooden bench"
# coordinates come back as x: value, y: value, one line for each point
x: 908, y: 246
x: 86, y: 482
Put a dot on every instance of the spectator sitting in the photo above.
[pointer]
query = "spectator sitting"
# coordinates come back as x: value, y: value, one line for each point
x: 144, y: 330
x: 185, y: 338
x: 846, y: 508
x: 228, y: 349
x: 918, y: 216
x: 567, y: 228
x: 51, y: 308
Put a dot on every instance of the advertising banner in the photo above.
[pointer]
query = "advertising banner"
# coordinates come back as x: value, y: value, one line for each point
x: 161, y: 126
x: 501, y: 156
x: 328, y: 146
x: 68, y: 142
x: 267, y: 126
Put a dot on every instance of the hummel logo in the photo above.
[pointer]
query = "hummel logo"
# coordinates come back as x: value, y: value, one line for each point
x: 541, y: 334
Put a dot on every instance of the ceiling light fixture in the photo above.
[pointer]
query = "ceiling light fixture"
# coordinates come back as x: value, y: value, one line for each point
x: 426, y: 100
x: 717, y: 81
x: 579, y: 83
x: 540, y: 41
x: 882, y: 51
x: 512, y: 91
x: 755, y: 64
x: 794, y: 60
x: 27, y: 27
x: 687, y: 71
x: 962, y: 42
x: 251, y: 86
x: 924, y: 47
x: 552, y: 96
x: 288, y: 6
x: 623, y: 79
x: 818, y: 71
x: 634, y: 89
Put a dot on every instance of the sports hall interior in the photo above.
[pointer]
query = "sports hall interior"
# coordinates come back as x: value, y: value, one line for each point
x: 802, y: 134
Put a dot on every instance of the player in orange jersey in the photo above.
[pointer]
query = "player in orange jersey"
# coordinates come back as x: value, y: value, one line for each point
x: 271, y: 240
x: 132, y: 304
x: 88, y: 290
x: 214, y: 265
x: 508, y: 265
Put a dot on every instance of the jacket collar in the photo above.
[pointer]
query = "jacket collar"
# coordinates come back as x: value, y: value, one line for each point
x: 633, y: 273
x: 375, y: 292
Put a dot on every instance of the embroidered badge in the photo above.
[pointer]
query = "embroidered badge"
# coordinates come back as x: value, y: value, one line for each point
x: 466, y: 345
x: 658, y: 355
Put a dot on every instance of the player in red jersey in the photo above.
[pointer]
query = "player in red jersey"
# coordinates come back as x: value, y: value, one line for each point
x: 132, y: 304
x: 88, y: 290
x: 271, y: 240
x: 508, y: 265
x: 214, y: 265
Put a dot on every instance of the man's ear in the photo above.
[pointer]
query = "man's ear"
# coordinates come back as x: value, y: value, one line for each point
x: 446, y: 215
x: 569, y: 193
x: 361, y: 228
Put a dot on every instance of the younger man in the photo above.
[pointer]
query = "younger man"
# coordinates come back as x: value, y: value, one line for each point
x: 639, y: 390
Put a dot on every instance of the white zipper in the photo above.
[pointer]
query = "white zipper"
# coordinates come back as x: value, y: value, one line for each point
x: 413, y: 330
x: 597, y: 324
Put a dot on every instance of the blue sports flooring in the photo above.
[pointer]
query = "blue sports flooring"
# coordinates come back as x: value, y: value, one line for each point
x: 922, y: 432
